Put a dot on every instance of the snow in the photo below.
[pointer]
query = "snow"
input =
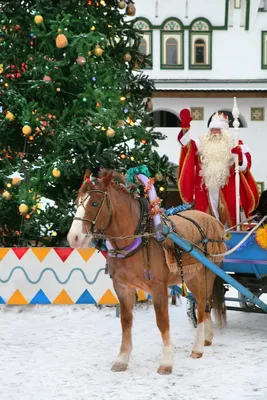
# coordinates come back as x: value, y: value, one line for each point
x: 66, y: 352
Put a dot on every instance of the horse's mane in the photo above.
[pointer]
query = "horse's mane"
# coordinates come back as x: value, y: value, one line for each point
x: 117, y: 176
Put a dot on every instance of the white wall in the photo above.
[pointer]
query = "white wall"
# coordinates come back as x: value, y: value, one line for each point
x: 255, y: 135
x: 213, y: 10
x: 236, y: 53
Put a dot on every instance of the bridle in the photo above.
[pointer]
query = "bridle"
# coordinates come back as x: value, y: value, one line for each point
x: 91, y: 219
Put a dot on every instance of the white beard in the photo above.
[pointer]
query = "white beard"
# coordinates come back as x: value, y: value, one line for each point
x: 216, y: 158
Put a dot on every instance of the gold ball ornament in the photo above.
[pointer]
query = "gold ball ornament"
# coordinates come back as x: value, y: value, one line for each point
x: 127, y: 57
x: 26, y: 130
x: 61, y: 41
x: 6, y: 195
x: 159, y: 176
x: 10, y: 116
x: 120, y: 123
x: 23, y: 209
x: 16, y: 181
x: 122, y: 5
x: 38, y: 19
x: 131, y: 10
x: 56, y: 173
x: 98, y: 51
x: 110, y: 133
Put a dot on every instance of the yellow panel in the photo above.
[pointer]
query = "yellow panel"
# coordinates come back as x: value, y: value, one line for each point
x: 41, y: 252
x: 141, y: 295
x: 17, y: 299
x: 3, y: 252
x: 63, y: 298
x: 86, y: 254
x: 108, y: 298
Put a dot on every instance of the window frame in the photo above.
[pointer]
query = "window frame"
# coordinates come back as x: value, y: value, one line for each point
x: 200, y: 45
x: 179, y: 37
x: 206, y: 36
x: 264, y: 50
x: 147, y: 35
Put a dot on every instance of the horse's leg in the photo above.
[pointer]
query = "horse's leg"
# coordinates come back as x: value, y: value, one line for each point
x: 126, y: 296
x: 201, y: 286
x: 208, y: 330
x: 160, y: 303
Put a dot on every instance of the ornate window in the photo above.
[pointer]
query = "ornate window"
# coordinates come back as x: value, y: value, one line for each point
x: 200, y: 45
x: 200, y: 25
x: 172, y: 52
x: 263, y: 6
x: 264, y: 50
x: 257, y: 114
x: 143, y: 47
x: 200, y: 51
x: 146, y: 41
x: 197, y: 113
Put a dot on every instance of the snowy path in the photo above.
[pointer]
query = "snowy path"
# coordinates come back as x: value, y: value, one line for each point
x: 53, y: 353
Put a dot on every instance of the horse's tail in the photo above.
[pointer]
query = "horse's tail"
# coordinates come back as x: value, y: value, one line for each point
x: 218, y: 302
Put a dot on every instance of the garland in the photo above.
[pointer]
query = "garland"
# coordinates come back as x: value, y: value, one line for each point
x: 261, y: 237
x: 176, y: 210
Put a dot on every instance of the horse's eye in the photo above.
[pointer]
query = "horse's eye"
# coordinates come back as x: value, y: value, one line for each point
x: 94, y: 203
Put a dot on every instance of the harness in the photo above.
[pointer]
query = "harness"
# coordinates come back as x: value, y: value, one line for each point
x: 138, y: 243
x: 94, y: 220
x: 142, y: 226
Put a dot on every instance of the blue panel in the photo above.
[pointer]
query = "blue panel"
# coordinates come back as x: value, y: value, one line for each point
x: 249, y: 250
x: 86, y: 298
x: 2, y: 301
x: 40, y: 298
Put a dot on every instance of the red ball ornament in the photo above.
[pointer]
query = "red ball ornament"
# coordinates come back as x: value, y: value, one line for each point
x: 47, y: 79
x: 81, y: 61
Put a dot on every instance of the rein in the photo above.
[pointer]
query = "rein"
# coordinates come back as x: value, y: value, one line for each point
x: 93, y: 221
x: 140, y: 236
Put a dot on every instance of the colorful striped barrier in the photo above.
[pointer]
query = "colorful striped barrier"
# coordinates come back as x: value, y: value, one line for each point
x: 42, y: 275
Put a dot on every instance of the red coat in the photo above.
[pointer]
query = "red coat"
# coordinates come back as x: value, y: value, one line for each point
x: 191, y: 188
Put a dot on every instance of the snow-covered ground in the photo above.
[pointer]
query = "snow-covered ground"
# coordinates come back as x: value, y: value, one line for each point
x: 65, y: 352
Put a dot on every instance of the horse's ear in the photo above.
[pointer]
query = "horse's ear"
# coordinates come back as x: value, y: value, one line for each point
x: 87, y: 174
x: 107, y: 178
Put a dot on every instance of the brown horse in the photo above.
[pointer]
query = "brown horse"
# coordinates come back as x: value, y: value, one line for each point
x: 105, y: 207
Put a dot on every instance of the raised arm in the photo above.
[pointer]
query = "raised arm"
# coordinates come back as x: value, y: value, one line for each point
x: 184, y: 136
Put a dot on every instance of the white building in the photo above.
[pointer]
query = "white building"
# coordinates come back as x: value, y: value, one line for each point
x: 204, y: 53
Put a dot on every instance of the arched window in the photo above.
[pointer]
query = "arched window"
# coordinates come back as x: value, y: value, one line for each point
x: 200, y: 51
x: 164, y: 119
x: 231, y: 119
x: 143, y: 47
x: 172, y: 51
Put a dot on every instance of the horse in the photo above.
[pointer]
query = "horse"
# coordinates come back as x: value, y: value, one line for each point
x: 105, y: 207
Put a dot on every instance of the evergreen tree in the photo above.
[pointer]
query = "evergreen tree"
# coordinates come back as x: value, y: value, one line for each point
x: 71, y: 97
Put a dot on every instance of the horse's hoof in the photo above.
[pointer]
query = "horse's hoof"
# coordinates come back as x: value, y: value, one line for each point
x: 165, y: 370
x: 196, y: 354
x: 119, y: 367
x: 207, y: 343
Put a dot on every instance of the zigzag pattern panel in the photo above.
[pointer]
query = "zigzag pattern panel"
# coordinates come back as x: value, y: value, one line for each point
x: 55, y: 276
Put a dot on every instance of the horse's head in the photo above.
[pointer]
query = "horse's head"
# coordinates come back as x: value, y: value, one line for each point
x: 93, y: 210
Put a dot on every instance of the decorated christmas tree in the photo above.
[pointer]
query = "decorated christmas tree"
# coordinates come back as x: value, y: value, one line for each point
x: 72, y: 97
